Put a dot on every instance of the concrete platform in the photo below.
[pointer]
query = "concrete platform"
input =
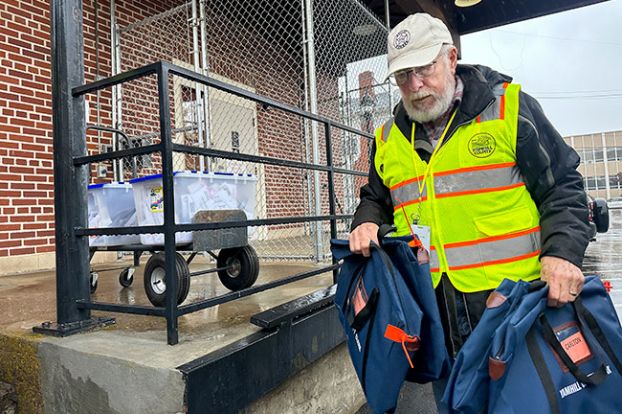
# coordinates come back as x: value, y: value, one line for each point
x: 129, y: 368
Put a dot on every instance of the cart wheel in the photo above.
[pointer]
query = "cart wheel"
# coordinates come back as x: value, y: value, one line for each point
x: 155, y: 286
x: 126, y: 277
x: 242, y: 267
x: 93, y: 281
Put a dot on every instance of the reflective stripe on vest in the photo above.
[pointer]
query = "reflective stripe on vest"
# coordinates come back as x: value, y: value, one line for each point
x: 476, y: 254
x: 386, y: 128
x: 460, y: 182
x: 497, y: 109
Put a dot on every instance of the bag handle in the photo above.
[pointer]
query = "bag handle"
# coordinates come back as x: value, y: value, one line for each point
x: 595, y: 378
x: 594, y: 327
x: 536, y: 285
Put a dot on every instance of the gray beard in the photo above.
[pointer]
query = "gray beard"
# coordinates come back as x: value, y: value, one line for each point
x: 440, y: 107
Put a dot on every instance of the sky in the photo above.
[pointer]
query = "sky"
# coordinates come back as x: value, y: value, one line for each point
x: 571, y: 62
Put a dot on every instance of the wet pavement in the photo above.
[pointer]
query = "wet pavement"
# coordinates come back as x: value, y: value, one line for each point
x: 27, y: 300
x: 604, y: 258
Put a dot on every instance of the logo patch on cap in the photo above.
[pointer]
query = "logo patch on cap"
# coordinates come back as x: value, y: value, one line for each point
x: 401, y: 39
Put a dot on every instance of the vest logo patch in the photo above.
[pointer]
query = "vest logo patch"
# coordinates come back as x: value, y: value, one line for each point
x: 482, y: 145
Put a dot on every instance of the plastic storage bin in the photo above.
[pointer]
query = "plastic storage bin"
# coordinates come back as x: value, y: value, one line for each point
x: 193, y: 192
x: 112, y: 205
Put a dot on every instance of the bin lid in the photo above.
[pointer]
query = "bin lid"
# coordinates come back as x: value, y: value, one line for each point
x: 119, y: 184
x: 191, y: 174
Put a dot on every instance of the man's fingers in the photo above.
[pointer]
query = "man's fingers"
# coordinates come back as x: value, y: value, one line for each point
x: 565, y: 280
x: 361, y: 238
x: 366, y: 250
x: 554, y: 295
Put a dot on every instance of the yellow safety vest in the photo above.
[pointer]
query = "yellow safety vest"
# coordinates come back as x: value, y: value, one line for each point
x: 484, y: 224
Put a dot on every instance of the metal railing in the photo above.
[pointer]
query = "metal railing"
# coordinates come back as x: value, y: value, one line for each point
x: 165, y: 148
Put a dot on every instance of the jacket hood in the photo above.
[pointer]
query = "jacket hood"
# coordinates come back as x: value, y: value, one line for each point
x: 484, y: 74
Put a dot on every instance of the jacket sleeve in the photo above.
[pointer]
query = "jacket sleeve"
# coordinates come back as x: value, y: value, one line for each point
x: 549, y: 168
x: 375, y: 206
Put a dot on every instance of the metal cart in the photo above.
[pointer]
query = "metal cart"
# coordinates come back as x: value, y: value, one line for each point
x: 237, y: 263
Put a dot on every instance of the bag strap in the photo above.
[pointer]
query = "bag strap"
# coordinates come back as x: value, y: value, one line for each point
x: 544, y: 374
x: 597, y: 377
x: 357, y: 272
x: 365, y: 356
x: 360, y: 319
x: 593, y: 325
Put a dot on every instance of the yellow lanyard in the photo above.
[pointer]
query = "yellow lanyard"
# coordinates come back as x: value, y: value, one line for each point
x: 428, y: 169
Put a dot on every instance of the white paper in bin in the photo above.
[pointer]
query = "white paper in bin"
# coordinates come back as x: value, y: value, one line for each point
x: 111, y: 205
x: 193, y: 192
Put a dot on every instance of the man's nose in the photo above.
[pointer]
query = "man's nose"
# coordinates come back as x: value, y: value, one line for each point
x: 414, y: 83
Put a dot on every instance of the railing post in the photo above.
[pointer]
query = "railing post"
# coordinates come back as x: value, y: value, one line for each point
x: 70, y: 181
x: 331, y: 188
x: 166, y: 144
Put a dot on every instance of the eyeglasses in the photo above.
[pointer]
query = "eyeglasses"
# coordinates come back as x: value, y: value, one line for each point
x: 420, y: 72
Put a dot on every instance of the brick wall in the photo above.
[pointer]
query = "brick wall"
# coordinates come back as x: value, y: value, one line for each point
x: 236, y: 52
x: 26, y: 153
x: 26, y: 170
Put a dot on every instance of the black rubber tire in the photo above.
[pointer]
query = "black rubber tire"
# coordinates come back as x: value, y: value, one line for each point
x: 244, y: 267
x: 155, y: 268
x: 601, y: 215
x: 93, y: 278
x: 126, y: 277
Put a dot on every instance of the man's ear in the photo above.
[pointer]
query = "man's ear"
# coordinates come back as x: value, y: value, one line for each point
x: 453, y: 60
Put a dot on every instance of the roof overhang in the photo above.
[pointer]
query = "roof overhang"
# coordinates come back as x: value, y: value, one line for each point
x: 484, y: 15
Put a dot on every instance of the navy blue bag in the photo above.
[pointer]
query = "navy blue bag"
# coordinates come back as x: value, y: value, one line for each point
x: 541, y: 359
x: 567, y: 360
x: 387, y: 330
x: 467, y: 386
x: 431, y: 361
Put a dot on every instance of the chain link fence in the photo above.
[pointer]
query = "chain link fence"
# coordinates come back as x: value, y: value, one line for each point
x: 325, y: 57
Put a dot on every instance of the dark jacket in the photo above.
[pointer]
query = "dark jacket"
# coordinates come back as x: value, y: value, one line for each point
x: 547, y: 163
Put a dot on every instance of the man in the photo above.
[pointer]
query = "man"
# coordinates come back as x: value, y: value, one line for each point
x: 472, y: 167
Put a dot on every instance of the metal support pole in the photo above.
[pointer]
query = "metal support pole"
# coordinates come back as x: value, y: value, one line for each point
x: 348, y: 147
x: 117, y: 110
x: 594, y: 169
x: 198, y: 87
x: 606, y: 165
x: 70, y: 181
x: 319, y: 249
x: 331, y: 189
x: 166, y: 143
x: 387, y: 18
x: 305, y: 123
x: 207, y: 131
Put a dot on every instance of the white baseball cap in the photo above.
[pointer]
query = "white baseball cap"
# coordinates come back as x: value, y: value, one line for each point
x: 416, y: 41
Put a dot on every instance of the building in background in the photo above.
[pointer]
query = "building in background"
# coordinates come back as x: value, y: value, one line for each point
x: 601, y: 162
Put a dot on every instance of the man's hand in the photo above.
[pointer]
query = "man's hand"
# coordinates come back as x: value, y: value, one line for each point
x: 565, y: 280
x: 361, y: 238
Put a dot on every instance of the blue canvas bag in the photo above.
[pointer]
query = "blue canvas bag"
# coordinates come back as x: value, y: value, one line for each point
x: 431, y: 361
x: 526, y: 357
x: 382, y: 319
x: 467, y: 386
x: 558, y: 360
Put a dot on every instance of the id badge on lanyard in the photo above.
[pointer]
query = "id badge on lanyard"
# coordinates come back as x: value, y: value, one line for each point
x: 421, y: 235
